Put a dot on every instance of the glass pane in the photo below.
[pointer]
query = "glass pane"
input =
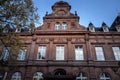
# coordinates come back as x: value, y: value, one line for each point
x: 41, y: 52
x: 116, y: 51
x: 79, y: 53
x: 99, y: 53
x: 60, y: 53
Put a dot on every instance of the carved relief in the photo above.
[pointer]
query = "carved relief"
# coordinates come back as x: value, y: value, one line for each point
x: 60, y: 40
x: 43, y: 40
x: 78, y: 40
x: 61, y: 12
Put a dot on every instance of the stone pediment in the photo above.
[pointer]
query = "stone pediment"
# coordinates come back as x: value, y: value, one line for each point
x: 61, y: 19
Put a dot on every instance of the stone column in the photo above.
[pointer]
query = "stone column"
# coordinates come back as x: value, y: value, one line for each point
x: 90, y: 62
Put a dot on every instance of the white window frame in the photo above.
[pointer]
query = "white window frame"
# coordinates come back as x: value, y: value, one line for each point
x: 81, y: 76
x: 79, y: 53
x: 116, y: 51
x: 118, y: 28
x: 105, y: 29
x: 18, y: 30
x: 57, y: 26
x: 59, y: 52
x: 41, y: 52
x: 16, y: 76
x: 99, y: 53
x: 38, y: 76
x: 64, y: 26
x: 91, y: 28
x: 22, y: 53
x: 5, y: 54
x: 104, y: 77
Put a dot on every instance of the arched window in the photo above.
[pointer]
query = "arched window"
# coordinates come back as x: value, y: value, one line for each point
x: 16, y: 76
x: 38, y: 76
x: 57, y: 26
x: 60, y: 72
x: 64, y: 26
x: 81, y: 76
x: 105, y: 76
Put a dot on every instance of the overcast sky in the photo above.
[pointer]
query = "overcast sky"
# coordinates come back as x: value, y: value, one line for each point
x: 95, y: 11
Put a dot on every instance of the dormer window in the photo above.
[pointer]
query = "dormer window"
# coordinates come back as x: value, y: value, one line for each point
x: 105, y: 29
x: 18, y: 30
x: 118, y: 28
x: 5, y: 30
x: 91, y: 27
x: 57, y: 26
x: 64, y: 26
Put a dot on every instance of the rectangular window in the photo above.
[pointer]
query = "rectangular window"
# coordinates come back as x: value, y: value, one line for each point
x: 41, y: 52
x: 79, y: 53
x: 59, y: 52
x: 116, y: 51
x: 5, y: 54
x: 99, y: 53
x: 22, y: 53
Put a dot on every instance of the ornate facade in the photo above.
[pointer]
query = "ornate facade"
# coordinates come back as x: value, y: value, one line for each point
x: 62, y: 49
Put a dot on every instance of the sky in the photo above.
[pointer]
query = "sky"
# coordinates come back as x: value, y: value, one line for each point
x: 95, y: 11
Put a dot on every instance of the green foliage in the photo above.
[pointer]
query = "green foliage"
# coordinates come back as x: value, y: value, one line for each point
x: 17, y: 12
x: 14, y: 14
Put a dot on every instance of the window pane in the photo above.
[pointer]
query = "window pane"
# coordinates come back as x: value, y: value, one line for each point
x: 81, y: 76
x: 5, y: 54
x: 64, y: 26
x: 116, y: 51
x: 41, y: 52
x: 60, y: 53
x: 79, y: 53
x: 99, y: 53
x: 104, y: 76
x: 38, y: 76
x: 22, y: 53
x: 57, y: 26
x: 16, y: 76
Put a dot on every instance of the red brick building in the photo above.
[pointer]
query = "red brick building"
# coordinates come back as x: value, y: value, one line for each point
x: 62, y: 49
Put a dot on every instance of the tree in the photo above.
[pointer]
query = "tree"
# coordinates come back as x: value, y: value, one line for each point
x: 15, y: 14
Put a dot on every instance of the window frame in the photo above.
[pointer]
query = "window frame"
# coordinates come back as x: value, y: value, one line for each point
x: 118, y: 28
x: 91, y: 28
x: 41, y: 54
x: 64, y: 26
x: 59, y: 51
x: 80, y: 52
x: 5, y: 53
x: 82, y: 76
x: 100, y: 55
x: 57, y: 26
x: 104, y: 77
x: 22, y: 53
x: 105, y: 29
x: 16, y: 76
x: 38, y: 75
x: 116, y: 53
